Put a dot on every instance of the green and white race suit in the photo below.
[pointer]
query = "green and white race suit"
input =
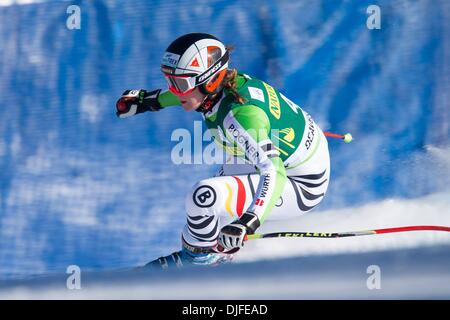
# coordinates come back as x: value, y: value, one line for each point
x: 286, y: 154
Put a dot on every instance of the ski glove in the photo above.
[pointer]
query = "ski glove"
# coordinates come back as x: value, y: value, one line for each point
x: 133, y: 102
x: 232, y: 236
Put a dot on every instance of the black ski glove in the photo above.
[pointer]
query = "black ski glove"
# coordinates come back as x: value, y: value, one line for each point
x: 133, y: 102
x: 233, y: 235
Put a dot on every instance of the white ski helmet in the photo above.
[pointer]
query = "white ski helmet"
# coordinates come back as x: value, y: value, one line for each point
x: 195, y: 60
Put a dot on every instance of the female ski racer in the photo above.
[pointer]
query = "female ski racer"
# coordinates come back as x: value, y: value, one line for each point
x: 287, y: 167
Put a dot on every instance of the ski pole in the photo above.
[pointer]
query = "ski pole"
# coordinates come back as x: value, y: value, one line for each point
x: 346, y: 137
x: 327, y: 235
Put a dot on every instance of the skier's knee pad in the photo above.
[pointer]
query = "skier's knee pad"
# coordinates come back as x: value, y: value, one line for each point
x: 206, y: 198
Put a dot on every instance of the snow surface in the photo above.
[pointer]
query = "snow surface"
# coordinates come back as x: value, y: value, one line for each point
x: 429, y: 210
x: 421, y: 273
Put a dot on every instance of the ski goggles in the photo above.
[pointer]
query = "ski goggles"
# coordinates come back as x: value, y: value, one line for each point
x: 181, y: 85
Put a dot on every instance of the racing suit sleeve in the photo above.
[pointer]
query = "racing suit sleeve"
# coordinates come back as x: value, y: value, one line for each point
x: 248, y: 127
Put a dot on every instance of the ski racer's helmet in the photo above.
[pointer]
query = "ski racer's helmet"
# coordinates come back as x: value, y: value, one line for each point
x: 195, y: 60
